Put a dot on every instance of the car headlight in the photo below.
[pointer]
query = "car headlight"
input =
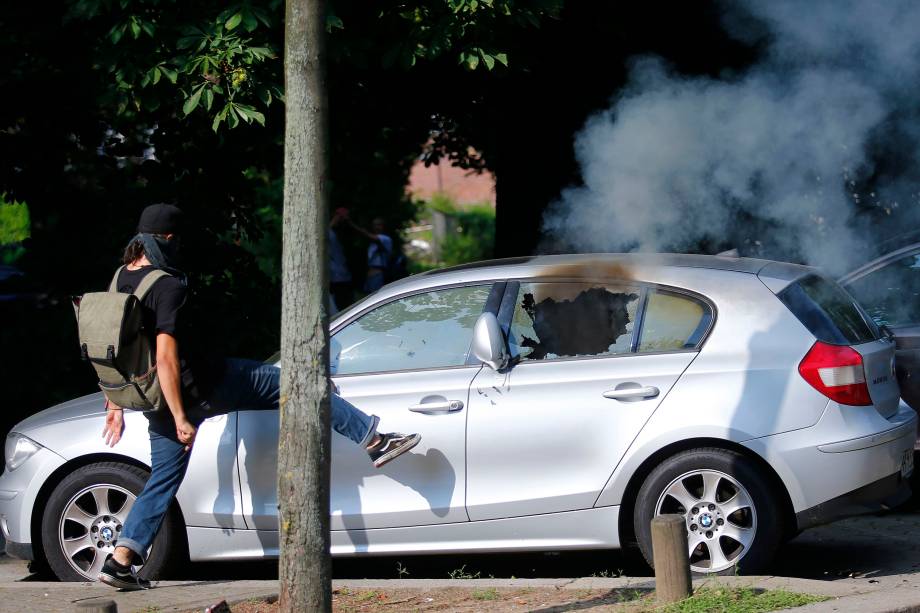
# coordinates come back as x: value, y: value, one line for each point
x: 19, y: 448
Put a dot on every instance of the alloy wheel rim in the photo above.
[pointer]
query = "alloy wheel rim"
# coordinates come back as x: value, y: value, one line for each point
x: 92, y: 521
x: 720, y: 517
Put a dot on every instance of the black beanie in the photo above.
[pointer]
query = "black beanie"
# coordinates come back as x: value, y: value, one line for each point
x: 160, y: 219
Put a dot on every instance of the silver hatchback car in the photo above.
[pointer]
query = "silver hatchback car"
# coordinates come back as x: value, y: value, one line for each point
x: 563, y: 402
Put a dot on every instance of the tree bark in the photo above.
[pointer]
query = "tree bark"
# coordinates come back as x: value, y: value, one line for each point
x: 305, y: 570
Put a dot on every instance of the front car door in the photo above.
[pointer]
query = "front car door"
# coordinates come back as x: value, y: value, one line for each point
x: 545, y: 435
x: 889, y: 289
x: 406, y: 362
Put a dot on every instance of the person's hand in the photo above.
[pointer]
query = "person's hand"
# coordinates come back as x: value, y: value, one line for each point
x: 114, y: 425
x: 186, y: 433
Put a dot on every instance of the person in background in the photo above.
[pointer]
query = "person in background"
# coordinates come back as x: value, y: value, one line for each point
x: 379, y: 253
x: 340, y: 285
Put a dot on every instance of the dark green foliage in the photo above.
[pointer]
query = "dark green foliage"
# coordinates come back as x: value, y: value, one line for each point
x: 111, y: 105
x: 472, y: 231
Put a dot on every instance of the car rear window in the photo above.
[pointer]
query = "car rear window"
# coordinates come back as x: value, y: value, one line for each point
x: 828, y: 312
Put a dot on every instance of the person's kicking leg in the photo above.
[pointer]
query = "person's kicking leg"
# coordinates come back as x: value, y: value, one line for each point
x: 361, y: 428
x: 253, y: 385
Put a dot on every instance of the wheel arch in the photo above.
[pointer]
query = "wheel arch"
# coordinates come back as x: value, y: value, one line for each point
x: 53, y: 480
x: 628, y: 503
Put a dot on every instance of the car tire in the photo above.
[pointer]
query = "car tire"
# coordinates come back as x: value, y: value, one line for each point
x: 76, y: 547
x: 733, y: 519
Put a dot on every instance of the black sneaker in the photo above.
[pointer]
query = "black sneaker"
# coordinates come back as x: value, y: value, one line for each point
x: 123, y: 577
x: 392, y: 445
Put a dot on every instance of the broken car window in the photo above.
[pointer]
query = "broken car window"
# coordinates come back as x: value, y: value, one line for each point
x: 430, y: 330
x: 555, y: 320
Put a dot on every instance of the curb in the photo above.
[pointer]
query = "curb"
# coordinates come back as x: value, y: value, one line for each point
x: 845, y: 596
x: 807, y: 586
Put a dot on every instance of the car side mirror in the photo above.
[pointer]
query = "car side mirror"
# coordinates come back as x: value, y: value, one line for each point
x: 489, y: 343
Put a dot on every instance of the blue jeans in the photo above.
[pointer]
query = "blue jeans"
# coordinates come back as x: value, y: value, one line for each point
x: 247, y: 385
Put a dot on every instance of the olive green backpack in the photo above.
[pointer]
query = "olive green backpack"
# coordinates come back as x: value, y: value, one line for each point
x: 114, y: 341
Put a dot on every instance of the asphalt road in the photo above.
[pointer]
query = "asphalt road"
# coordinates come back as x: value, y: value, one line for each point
x: 877, y: 548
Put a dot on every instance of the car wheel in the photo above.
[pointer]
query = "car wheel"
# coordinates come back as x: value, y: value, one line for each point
x: 85, y: 515
x: 733, y: 522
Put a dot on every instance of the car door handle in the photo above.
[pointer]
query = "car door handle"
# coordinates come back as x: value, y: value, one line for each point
x: 631, y: 393
x: 437, y: 408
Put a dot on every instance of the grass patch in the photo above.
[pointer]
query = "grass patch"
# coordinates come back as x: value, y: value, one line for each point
x: 487, y: 594
x: 370, y: 595
x: 462, y: 573
x: 740, y: 600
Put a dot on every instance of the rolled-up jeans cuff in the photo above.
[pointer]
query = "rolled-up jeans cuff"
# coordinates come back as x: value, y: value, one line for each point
x: 135, y: 547
x: 371, y: 431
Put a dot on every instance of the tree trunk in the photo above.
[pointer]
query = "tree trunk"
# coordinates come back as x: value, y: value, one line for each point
x: 305, y: 570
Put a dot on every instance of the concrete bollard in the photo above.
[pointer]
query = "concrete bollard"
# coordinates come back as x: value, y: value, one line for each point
x: 97, y: 606
x: 671, y: 558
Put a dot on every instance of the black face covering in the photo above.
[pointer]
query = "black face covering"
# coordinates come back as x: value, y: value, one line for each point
x: 162, y: 253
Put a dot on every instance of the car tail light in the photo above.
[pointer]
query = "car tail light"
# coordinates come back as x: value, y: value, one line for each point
x: 837, y: 372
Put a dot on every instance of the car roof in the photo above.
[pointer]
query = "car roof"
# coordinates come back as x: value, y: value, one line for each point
x: 596, y: 265
x: 647, y: 267
x: 542, y: 264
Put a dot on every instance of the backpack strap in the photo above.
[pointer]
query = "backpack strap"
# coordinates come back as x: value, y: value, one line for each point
x: 113, y: 286
x: 147, y: 282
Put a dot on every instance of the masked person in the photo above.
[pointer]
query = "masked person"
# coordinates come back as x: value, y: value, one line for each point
x: 195, y: 386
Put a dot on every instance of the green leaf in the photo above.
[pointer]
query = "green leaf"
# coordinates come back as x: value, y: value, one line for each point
x: 489, y: 60
x: 192, y: 102
x: 155, y: 75
x: 250, y: 113
x: 250, y: 22
x: 220, y: 117
x: 262, y: 16
x: 148, y: 28
x: 502, y: 58
x: 233, y: 119
x: 171, y: 74
x: 233, y: 21
x: 333, y: 22
x: 265, y: 96
x: 187, y: 41
x: 208, y: 98
x: 135, y: 28
x: 117, y: 32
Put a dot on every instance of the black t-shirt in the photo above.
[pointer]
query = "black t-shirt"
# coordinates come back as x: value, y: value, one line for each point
x: 162, y: 311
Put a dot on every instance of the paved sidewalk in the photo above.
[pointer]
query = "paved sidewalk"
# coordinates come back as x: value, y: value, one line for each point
x: 867, y: 565
x: 176, y: 596
x: 53, y: 597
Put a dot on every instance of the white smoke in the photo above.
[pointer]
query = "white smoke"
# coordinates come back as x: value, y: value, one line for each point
x: 776, y: 158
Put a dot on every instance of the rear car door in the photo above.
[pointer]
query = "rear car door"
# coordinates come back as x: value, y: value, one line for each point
x: 889, y: 290
x: 592, y: 363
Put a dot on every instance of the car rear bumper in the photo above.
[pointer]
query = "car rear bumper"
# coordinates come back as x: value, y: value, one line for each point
x: 886, y: 493
x: 853, y: 458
